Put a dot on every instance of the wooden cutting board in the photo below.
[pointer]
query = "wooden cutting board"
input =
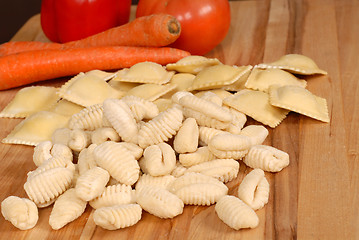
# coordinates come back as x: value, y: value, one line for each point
x: 316, y: 196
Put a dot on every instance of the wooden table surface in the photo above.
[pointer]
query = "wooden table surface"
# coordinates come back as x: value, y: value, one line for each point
x: 316, y: 196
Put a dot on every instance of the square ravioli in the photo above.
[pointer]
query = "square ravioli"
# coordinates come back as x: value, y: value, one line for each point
x: 29, y: 100
x: 256, y: 105
x: 295, y: 63
x: 261, y: 79
x: 87, y: 89
x: 218, y: 76
x: 299, y: 100
x: 36, y: 128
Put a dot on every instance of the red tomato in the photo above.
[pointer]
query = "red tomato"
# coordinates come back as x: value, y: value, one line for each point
x: 69, y: 20
x: 204, y: 23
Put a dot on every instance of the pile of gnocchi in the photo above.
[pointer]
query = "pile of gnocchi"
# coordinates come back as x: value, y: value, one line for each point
x: 156, y: 138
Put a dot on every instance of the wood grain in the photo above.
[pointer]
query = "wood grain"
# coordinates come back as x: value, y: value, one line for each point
x: 316, y: 196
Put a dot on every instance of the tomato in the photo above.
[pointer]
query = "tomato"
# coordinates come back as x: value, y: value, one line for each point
x: 204, y: 23
x: 69, y: 20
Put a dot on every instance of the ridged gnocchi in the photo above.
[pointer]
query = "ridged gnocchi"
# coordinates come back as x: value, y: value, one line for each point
x: 118, y: 216
x: 121, y: 118
x: 67, y: 208
x: 266, y: 158
x: 45, y: 187
x: 89, y: 118
x: 159, y: 202
x: 235, y: 213
x: 160, y: 128
x: 118, y: 161
x: 229, y: 145
x: 198, y: 189
x: 92, y: 183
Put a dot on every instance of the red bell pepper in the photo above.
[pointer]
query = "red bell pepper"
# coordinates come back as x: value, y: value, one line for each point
x: 68, y: 20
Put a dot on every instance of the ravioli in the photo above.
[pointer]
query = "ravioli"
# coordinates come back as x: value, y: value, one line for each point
x: 36, y: 128
x: 295, y: 63
x: 81, y: 88
x: 29, y: 100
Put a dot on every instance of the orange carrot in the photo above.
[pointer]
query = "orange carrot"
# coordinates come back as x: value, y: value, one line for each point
x: 23, y: 46
x: 33, y: 66
x: 156, y: 30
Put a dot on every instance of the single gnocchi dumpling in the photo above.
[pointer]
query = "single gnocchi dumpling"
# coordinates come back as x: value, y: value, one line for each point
x: 186, y: 139
x: 45, y: 187
x: 224, y: 170
x: 145, y: 72
x: 158, y: 160
x: 235, y: 213
x: 230, y: 145
x: 192, y: 64
x: 160, y: 128
x: 118, y: 161
x: 89, y: 118
x: 266, y: 158
x: 92, y: 183
x: 21, y: 212
x: 254, y: 189
x: 159, y: 202
x: 121, y: 118
x: 118, y: 216
x: 198, y: 189
x: 117, y: 194
x: 67, y: 207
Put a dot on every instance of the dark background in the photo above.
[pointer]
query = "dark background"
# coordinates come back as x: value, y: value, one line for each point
x: 14, y: 13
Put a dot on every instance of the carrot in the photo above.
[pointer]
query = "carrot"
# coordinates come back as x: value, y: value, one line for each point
x: 156, y: 30
x: 33, y: 66
x: 23, y: 46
